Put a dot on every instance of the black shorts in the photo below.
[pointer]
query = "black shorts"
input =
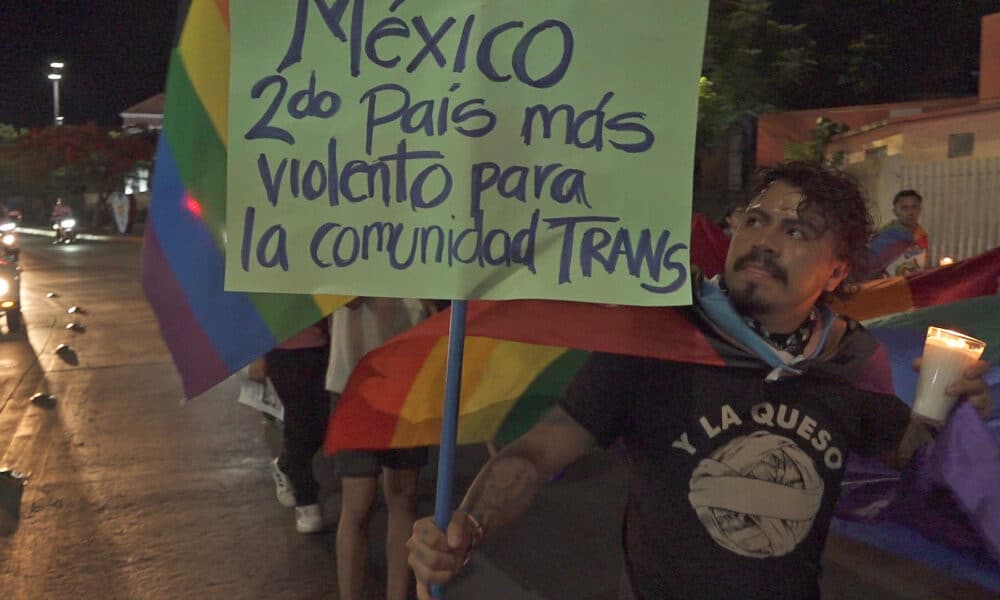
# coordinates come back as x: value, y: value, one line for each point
x: 369, y: 463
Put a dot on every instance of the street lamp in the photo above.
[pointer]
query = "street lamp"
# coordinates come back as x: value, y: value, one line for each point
x: 55, y: 77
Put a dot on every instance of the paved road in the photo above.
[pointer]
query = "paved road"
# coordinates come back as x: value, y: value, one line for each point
x: 132, y: 494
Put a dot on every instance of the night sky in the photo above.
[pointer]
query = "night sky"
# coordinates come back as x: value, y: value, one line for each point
x: 116, y: 54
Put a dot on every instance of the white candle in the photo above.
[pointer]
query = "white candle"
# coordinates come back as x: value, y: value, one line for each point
x: 946, y: 356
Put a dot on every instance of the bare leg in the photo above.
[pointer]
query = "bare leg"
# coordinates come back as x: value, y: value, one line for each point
x: 357, y: 499
x: 401, y: 499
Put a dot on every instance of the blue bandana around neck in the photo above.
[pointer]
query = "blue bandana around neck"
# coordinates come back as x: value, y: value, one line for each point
x: 718, y: 308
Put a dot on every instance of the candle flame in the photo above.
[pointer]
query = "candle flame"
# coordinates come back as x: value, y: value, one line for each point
x: 957, y: 340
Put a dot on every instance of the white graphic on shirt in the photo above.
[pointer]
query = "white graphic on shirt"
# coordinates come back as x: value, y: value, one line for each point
x: 758, y: 495
x: 773, y: 415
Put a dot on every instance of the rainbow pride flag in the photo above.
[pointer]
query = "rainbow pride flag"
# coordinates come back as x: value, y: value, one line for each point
x: 520, y: 355
x: 894, y: 244
x: 976, y: 276
x: 211, y: 333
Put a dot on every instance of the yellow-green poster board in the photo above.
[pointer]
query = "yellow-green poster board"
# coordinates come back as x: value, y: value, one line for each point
x: 492, y: 149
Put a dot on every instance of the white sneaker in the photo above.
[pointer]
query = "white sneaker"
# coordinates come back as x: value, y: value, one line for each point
x: 308, y: 519
x: 282, y: 486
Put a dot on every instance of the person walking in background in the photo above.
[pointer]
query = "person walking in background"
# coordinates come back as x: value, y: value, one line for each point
x: 60, y: 210
x: 900, y: 248
x: 362, y: 326
x: 297, y: 368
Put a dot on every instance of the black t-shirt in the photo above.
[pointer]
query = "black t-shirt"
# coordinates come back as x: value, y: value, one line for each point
x: 733, y: 479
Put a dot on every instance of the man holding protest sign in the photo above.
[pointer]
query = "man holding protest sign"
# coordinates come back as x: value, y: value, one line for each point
x: 735, y: 470
x: 521, y: 149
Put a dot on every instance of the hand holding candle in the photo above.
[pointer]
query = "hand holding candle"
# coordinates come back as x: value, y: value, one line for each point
x: 947, y: 356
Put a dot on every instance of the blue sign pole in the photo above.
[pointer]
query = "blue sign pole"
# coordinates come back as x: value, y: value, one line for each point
x: 449, y: 425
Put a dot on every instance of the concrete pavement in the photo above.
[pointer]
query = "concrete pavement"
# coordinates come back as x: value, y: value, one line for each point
x: 134, y: 494
x: 130, y: 494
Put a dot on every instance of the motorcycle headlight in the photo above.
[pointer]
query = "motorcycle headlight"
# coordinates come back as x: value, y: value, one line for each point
x: 67, y: 223
x: 7, y: 226
x: 4, y: 286
x: 9, y: 239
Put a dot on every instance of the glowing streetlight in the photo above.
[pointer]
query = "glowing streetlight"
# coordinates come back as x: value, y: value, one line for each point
x: 55, y: 77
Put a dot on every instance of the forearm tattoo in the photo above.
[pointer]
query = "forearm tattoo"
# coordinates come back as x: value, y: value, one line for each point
x: 503, y: 490
x: 510, y: 481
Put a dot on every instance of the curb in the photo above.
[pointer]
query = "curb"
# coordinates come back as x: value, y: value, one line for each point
x: 92, y: 237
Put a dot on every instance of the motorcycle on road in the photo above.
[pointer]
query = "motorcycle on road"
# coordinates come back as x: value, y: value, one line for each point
x: 65, y: 230
x: 10, y: 248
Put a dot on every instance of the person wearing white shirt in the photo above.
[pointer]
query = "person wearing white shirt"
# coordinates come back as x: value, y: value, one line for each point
x: 362, y: 326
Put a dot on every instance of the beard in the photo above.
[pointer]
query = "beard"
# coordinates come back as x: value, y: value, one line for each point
x: 746, y: 301
x: 745, y: 298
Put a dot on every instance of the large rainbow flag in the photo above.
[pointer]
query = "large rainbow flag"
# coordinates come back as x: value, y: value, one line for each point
x: 210, y: 332
x: 520, y: 355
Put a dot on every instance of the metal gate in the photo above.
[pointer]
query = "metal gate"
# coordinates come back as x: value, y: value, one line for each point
x: 961, y: 207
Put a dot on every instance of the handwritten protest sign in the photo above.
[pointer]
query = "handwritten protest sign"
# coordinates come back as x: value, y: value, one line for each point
x: 476, y: 149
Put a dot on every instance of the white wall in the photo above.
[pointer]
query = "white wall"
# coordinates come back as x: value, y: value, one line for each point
x: 961, y: 208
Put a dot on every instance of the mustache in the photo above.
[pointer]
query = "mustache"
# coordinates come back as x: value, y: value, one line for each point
x: 759, y: 258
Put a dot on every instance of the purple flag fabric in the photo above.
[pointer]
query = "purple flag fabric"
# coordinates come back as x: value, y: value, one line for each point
x: 949, y: 494
x: 966, y: 459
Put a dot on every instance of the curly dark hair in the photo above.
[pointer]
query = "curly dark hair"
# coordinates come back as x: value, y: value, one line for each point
x: 904, y: 193
x: 840, y: 200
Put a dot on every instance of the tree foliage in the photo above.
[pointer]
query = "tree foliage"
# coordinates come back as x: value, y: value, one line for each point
x: 10, y: 132
x: 819, y: 139
x: 876, y: 51
x: 73, y: 159
x: 766, y: 55
x: 751, y: 61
